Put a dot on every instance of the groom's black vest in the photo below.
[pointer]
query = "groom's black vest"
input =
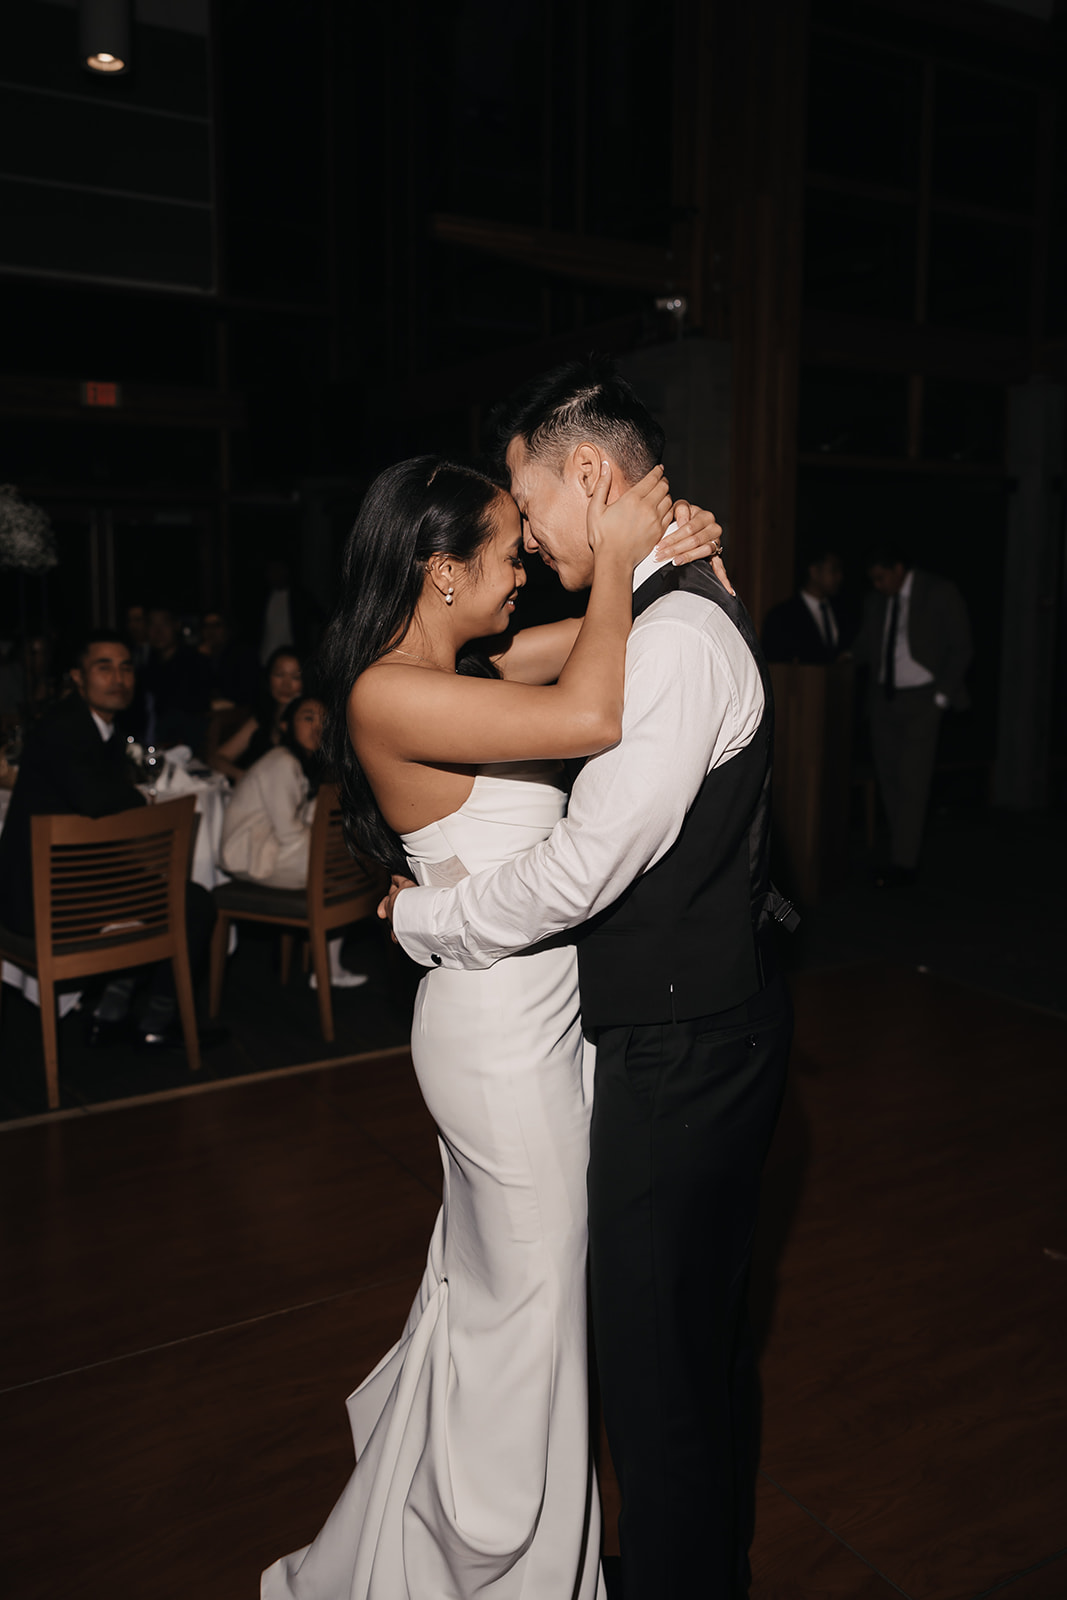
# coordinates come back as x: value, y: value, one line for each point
x: 684, y: 940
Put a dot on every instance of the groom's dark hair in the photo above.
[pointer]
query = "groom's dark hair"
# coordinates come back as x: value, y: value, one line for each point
x: 581, y: 401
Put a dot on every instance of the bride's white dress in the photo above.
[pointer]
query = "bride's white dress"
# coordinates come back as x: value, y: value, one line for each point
x: 474, y: 1473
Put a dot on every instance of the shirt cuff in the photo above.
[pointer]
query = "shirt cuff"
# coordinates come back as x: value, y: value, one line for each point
x: 413, y: 919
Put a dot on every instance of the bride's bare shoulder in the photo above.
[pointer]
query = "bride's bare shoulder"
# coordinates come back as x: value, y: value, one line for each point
x: 382, y: 677
x: 386, y: 687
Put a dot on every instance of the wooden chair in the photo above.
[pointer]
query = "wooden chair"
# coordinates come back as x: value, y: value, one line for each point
x: 108, y: 893
x: 340, y: 889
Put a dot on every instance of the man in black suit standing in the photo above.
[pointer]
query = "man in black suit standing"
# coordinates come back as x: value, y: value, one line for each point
x: 916, y: 640
x: 74, y: 764
x: 809, y: 628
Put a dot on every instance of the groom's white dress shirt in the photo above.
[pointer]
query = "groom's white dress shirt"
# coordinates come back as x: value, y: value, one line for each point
x: 693, y: 699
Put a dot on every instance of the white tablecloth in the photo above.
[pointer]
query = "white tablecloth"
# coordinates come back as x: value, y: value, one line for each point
x: 212, y: 794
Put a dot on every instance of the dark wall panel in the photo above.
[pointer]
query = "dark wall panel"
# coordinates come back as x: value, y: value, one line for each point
x: 104, y: 178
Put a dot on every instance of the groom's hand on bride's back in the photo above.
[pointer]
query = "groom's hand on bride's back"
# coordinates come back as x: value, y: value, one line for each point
x: 385, y: 908
x: 698, y: 537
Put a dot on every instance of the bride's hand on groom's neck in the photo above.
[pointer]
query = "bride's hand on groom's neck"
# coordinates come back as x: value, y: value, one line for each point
x: 698, y: 537
x: 629, y: 526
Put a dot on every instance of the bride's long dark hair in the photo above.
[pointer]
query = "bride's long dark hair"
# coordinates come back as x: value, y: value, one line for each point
x: 415, y: 510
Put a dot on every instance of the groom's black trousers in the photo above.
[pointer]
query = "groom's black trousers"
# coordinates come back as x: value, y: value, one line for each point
x: 682, y: 1117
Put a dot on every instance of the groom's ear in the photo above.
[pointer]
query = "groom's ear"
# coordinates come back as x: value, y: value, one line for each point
x: 586, y: 460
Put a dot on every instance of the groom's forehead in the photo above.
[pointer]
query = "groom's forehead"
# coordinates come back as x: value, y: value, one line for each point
x: 526, y: 473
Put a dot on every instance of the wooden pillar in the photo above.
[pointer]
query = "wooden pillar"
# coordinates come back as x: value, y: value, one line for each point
x: 699, y: 227
x: 768, y: 43
x: 216, y: 583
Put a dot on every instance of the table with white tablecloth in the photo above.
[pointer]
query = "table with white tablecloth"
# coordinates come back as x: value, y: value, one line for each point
x: 212, y: 792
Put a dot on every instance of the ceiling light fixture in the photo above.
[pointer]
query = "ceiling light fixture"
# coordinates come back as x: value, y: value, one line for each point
x: 104, y: 34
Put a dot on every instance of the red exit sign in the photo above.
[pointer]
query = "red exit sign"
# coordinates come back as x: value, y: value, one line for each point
x: 108, y: 395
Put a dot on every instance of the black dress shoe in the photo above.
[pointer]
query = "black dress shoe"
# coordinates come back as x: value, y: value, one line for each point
x: 172, y: 1040
x: 101, y: 1035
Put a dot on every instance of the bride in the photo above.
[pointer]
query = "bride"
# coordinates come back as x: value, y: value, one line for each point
x: 474, y: 1473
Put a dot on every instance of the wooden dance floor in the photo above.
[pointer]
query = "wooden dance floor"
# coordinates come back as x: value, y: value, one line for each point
x: 192, y: 1285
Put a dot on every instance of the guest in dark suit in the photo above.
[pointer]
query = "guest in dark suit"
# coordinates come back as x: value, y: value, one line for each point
x: 809, y: 628
x: 74, y: 763
x: 233, y: 671
x: 177, y: 685
x: 137, y: 633
x: 916, y: 640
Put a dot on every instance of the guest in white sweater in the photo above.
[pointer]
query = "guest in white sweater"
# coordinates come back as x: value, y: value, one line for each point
x: 266, y: 835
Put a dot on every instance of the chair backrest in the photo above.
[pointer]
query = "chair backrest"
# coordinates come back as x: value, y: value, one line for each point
x: 334, y: 874
x: 100, y: 882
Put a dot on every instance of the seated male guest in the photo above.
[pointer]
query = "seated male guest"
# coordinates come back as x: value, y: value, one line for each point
x: 74, y: 763
x: 810, y: 627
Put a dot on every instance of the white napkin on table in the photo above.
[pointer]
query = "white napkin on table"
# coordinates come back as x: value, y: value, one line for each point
x: 175, y: 780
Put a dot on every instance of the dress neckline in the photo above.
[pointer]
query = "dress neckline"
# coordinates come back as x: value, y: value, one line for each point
x: 548, y: 770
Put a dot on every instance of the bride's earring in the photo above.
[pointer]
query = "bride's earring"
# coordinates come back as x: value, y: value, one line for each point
x: 448, y: 596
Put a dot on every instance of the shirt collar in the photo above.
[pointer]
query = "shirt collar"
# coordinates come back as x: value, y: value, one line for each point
x: 905, y: 589
x: 650, y: 565
x: 105, y: 729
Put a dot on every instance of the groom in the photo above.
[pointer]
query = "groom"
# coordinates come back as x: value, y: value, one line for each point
x: 662, y: 864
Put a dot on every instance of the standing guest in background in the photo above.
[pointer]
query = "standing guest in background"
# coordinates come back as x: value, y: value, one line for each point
x: 42, y: 684
x: 233, y: 672
x: 175, y: 683
x: 809, y: 628
x: 290, y: 615
x: 137, y: 633
x: 136, y: 718
x: 74, y: 763
x: 282, y: 682
x: 267, y: 832
x: 916, y: 640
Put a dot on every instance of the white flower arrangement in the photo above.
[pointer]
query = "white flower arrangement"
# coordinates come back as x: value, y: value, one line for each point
x: 27, y: 542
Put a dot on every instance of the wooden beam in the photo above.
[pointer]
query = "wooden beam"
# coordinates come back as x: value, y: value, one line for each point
x: 928, y: 465
x: 615, y: 263
x: 489, y: 378
x: 769, y: 82
x: 878, y: 345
